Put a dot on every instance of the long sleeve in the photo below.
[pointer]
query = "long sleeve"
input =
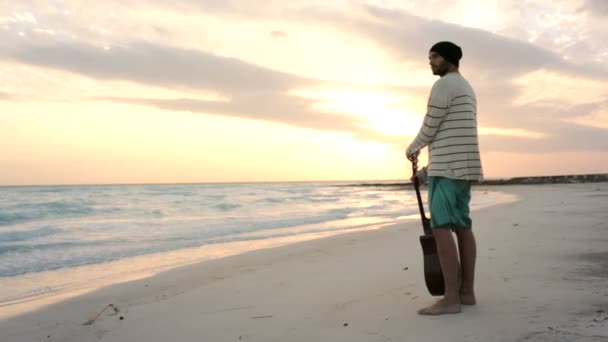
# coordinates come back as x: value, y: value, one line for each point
x: 450, y: 131
x: 437, y: 109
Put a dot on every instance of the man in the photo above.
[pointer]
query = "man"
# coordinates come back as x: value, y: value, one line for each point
x: 450, y: 132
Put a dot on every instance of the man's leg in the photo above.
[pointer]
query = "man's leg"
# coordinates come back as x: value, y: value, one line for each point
x: 468, y: 252
x: 448, y: 258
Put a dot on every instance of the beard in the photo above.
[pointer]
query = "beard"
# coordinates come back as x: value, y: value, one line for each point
x: 441, y: 69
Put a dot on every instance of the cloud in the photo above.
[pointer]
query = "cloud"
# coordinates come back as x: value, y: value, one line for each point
x: 273, y: 107
x: 593, y: 115
x: 493, y: 64
x: 409, y: 38
x: 156, y: 65
x: 596, y: 7
x: 253, y: 92
x: 560, y: 137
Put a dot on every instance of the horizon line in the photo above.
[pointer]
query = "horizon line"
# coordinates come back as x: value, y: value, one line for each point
x: 275, y: 182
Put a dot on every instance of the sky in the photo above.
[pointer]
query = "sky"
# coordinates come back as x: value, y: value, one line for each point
x: 188, y: 91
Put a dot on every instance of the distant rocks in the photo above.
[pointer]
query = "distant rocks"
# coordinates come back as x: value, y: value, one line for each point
x: 588, y: 178
x: 564, y: 179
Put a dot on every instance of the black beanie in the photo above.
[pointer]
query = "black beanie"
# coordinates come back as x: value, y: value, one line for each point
x: 449, y: 51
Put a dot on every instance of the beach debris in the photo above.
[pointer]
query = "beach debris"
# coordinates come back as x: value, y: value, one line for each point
x: 405, y: 268
x: 121, y: 318
x: 515, y: 224
x: 258, y: 317
x: 600, y: 316
x: 114, y: 312
x: 345, y: 324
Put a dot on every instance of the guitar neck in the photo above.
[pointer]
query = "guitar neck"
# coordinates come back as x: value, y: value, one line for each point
x: 426, y: 224
x: 420, y: 205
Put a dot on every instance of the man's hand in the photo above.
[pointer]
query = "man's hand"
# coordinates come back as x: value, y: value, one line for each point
x: 412, y: 157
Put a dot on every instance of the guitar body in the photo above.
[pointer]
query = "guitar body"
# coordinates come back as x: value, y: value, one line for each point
x: 432, y: 268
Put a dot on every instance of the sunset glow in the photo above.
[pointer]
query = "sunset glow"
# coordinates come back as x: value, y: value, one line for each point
x: 238, y: 91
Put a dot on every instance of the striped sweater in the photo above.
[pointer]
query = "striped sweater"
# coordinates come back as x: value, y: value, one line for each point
x: 450, y: 130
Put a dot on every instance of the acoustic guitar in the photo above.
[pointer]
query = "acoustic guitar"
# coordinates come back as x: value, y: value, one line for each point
x: 432, y: 268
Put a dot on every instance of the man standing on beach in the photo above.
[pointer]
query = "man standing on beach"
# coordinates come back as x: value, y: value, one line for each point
x: 450, y: 131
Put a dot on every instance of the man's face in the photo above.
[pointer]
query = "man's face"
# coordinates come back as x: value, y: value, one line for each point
x: 439, y: 66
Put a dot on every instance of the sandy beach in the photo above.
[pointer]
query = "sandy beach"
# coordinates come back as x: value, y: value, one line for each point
x: 542, y: 275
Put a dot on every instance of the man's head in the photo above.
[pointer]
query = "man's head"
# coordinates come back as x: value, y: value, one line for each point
x: 444, y: 57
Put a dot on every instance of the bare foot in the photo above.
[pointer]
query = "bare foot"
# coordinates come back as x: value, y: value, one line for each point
x: 440, y: 308
x: 467, y: 299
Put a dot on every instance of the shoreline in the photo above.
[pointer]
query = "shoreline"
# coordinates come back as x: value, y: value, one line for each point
x: 27, y: 292
x: 91, y: 277
x: 372, y: 282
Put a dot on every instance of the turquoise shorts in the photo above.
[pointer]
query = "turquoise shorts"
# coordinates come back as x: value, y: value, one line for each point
x: 449, y: 203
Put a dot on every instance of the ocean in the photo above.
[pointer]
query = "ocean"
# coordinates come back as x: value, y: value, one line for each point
x: 46, y: 231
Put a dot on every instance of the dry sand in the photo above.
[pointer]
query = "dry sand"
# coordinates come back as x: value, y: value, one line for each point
x: 542, y: 276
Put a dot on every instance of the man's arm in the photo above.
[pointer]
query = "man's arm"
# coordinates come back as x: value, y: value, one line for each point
x: 436, y: 111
